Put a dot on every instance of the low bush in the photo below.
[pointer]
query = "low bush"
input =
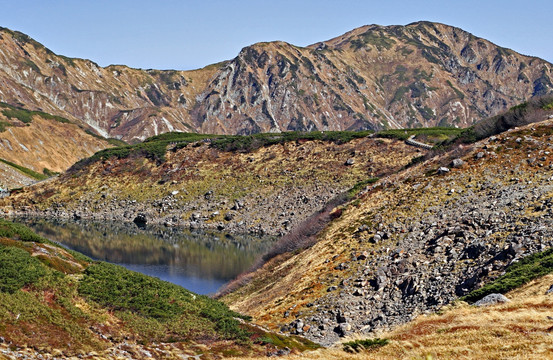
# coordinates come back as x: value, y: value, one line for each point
x: 16, y: 231
x: 26, y: 116
x: 363, y: 345
x: 26, y: 171
x: 18, y: 269
x: 153, y: 299
x: 360, y: 186
x: 155, y: 147
x: 517, y: 274
x: 404, y: 134
x: 248, y: 143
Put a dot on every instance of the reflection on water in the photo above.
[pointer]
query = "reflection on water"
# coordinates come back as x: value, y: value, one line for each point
x: 198, y: 261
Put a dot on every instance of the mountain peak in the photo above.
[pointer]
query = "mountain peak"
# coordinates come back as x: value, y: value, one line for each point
x: 372, y: 77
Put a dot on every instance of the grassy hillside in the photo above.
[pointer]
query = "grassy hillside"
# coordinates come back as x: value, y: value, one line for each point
x: 44, y: 143
x: 56, y: 301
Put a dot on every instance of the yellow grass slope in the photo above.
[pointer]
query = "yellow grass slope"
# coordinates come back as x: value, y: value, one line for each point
x: 47, y: 144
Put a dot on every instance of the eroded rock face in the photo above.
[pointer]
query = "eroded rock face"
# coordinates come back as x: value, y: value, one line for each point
x: 422, y: 74
x: 370, y: 78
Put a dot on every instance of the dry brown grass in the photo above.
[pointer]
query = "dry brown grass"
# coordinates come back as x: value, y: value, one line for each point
x: 59, y: 145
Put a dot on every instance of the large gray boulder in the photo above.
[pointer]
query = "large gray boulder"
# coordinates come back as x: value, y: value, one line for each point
x: 492, y: 299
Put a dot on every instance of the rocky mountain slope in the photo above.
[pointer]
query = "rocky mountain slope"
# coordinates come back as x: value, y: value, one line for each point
x: 216, y: 183
x: 422, y: 74
x: 415, y: 241
x: 115, y: 101
x: 520, y: 328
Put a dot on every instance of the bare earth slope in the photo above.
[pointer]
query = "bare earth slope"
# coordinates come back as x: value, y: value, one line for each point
x: 372, y: 77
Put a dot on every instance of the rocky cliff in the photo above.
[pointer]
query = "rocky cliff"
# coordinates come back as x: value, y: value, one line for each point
x: 374, y: 77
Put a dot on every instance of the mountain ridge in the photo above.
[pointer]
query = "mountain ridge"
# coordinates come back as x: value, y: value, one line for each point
x: 371, y: 77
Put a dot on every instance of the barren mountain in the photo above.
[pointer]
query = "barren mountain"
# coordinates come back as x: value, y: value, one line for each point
x: 115, y: 101
x: 422, y: 74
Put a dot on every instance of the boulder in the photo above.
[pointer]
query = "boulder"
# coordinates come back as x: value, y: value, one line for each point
x: 350, y: 161
x: 443, y: 170
x: 342, y: 317
x: 342, y: 329
x: 457, y: 163
x: 492, y: 299
x: 550, y: 291
x: 140, y: 220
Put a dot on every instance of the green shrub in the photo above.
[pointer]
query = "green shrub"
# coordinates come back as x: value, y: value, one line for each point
x: 517, y: 274
x: 155, y: 147
x: 18, y: 269
x: 4, y: 125
x: 404, y: 134
x: 122, y: 289
x: 18, y: 232
x: 247, y: 143
x: 158, y: 303
x: 363, y: 345
x: 49, y: 173
x: 26, y: 171
x: 360, y: 186
x: 26, y: 116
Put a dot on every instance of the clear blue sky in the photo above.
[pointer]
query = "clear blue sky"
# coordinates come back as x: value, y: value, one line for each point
x: 189, y: 34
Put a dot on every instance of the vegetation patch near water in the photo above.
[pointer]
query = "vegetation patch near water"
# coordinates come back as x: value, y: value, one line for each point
x: 52, y: 297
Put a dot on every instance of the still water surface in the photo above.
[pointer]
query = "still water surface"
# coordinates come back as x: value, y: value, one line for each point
x: 199, y: 261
